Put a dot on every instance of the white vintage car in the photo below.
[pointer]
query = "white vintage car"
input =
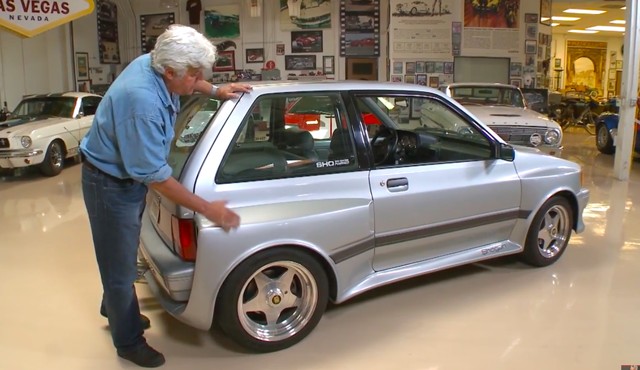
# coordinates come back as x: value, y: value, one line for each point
x: 503, y: 108
x: 44, y: 130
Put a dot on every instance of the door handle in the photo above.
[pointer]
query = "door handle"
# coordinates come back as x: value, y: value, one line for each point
x: 396, y: 185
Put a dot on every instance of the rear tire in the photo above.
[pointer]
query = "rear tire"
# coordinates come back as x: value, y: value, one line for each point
x: 273, y: 300
x: 53, y: 160
x: 604, y: 141
x: 549, y: 233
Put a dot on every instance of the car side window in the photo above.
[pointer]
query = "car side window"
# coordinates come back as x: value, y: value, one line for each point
x: 89, y: 105
x: 407, y: 130
x: 290, y: 135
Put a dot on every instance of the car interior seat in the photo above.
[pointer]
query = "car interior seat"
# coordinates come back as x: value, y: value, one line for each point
x: 298, y: 142
x: 340, y: 146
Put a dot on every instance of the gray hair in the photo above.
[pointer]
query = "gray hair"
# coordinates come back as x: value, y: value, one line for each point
x: 180, y: 48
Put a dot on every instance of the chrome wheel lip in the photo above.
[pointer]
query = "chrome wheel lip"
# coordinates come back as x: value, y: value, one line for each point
x: 554, y: 231
x: 56, y: 156
x: 269, y: 299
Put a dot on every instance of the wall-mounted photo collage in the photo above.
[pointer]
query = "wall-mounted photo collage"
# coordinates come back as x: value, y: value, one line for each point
x: 360, y: 28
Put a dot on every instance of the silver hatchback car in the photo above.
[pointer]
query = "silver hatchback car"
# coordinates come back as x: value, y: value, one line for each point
x: 342, y: 187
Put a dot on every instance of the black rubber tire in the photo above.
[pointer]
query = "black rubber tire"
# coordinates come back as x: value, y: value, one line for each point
x: 53, y: 162
x: 604, y: 141
x: 549, y: 233
x: 237, y: 317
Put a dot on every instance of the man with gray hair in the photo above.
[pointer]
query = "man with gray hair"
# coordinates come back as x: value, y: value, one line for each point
x: 126, y: 152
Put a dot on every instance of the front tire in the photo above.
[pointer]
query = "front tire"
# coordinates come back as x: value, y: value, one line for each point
x: 549, y: 233
x: 604, y: 141
x: 273, y: 300
x: 53, y: 160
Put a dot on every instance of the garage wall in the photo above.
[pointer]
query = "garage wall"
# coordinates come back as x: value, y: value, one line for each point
x: 34, y: 65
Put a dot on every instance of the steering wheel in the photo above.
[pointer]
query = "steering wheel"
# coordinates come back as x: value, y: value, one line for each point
x: 384, y: 142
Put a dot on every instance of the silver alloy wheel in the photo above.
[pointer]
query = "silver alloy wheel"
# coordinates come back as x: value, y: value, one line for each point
x: 554, y: 231
x: 277, y: 301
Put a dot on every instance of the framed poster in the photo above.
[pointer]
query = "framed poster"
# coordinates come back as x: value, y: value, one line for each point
x: 226, y: 61
x: 306, y: 41
x: 82, y: 66
x: 254, y: 55
x: 545, y: 12
x: 300, y: 62
x: 107, y: 16
x: 151, y: 26
x: 222, y: 22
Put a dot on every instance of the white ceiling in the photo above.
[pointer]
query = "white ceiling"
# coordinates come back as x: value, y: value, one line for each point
x: 611, y: 6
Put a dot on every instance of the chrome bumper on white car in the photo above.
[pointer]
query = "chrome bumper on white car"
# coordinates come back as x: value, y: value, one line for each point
x: 20, y: 158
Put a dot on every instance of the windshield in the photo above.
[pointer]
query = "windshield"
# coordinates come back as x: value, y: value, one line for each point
x: 45, y: 106
x: 488, y: 95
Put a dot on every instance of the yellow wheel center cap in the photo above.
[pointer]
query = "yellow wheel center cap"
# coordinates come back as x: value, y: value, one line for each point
x: 276, y: 299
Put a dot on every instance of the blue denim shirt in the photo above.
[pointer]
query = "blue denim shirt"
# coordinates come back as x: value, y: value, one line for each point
x: 133, y: 126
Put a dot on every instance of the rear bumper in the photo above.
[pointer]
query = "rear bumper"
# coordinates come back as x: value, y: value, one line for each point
x: 173, y: 275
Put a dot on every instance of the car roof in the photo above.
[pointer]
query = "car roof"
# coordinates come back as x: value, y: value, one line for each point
x: 263, y: 87
x: 69, y: 94
x: 481, y: 84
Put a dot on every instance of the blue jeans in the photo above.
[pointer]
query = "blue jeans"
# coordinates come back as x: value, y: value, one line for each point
x: 115, y: 211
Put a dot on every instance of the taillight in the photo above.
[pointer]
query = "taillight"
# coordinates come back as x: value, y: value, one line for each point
x: 184, y: 237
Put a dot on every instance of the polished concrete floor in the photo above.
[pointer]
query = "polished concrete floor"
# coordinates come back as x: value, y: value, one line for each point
x: 581, y: 313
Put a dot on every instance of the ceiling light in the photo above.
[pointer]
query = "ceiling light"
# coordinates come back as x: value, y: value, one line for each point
x: 623, y: 8
x: 544, y: 19
x: 582, y: 31
x: 584, y: 11
x: 618, y: 21
x: 567, y: 19
x: 555, y: 24
x: 607, y: 28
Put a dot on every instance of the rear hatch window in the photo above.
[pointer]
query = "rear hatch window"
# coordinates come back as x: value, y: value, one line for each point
x: 197, y: 112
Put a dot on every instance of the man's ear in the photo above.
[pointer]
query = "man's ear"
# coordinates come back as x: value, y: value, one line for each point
x: 169, y: 73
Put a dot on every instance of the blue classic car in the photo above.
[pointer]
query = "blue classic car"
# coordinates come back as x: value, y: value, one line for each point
x: 607, y: 132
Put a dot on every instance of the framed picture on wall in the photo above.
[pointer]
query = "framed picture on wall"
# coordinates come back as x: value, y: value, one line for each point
x: 82, y: 66
x: 306, y: 42
x: 152, y: 26
x: 530, y: 46
x: 328, y: 62
x: 545, y: 12
x: 254, y: 55
x: 300, y: 62
x: 226, y: 61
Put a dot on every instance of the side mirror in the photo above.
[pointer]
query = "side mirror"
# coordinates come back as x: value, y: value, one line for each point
x: 506, y: 152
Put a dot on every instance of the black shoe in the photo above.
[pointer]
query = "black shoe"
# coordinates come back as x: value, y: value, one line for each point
x: 144, y: 321
x: 145, y: 356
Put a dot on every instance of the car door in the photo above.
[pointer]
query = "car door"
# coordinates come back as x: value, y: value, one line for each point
x: 449, y: 195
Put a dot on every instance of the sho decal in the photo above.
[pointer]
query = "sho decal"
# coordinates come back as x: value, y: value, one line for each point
x: 336, y: 163
x: 492, y: 250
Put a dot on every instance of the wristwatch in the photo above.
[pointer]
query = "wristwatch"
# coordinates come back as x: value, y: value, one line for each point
x: 214, y: 90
